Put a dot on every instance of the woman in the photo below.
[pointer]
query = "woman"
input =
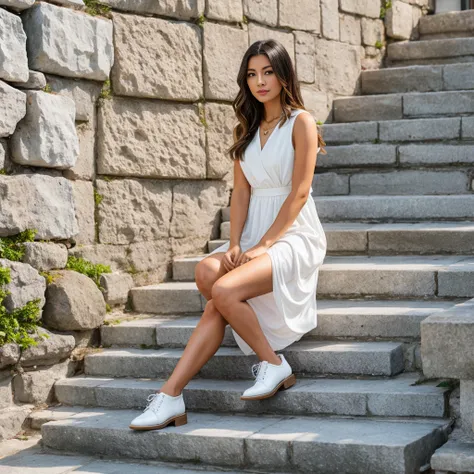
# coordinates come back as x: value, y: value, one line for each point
x: 263, y: 281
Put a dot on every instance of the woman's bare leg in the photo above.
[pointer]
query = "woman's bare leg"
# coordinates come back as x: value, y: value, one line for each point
x: 202, y: 345
x: 208, y: 334
x: 207, y: 272
x: 230, y: 294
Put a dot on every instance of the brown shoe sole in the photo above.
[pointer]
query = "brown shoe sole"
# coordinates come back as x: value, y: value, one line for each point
x: 287, y: 383
x: 178, y: 421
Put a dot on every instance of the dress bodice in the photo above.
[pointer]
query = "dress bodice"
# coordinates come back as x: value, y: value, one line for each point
x: 271, y: 167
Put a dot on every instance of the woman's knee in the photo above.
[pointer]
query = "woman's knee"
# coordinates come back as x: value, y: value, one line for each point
x: 211, y: 312
x: 221, y: 295
x: 204, y: 275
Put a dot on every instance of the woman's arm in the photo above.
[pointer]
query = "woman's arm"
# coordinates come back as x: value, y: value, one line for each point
x: 306, y: 146
x: 239, y: 204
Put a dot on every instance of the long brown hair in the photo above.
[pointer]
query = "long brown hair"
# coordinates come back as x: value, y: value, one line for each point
x: 249, y: 111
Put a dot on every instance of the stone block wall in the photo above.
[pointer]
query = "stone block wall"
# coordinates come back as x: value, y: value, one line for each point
x: 402, y: 17
x: 53, y: 63
x: 444, y: 336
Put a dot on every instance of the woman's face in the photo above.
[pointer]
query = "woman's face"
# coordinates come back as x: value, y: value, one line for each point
x: 260, y: 76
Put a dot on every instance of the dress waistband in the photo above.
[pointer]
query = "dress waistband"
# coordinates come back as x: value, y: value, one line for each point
x: 273, y: 191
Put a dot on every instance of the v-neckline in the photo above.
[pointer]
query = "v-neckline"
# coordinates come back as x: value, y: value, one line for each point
x: 268, y: 139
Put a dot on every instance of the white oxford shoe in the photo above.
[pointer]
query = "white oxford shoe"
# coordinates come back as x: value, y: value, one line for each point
x: 270, y: 379
x: 161, y: 410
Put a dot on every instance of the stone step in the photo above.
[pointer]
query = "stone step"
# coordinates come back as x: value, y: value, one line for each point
x: 267, y: 443
x: 38, y: 418
x: 356, y: 238
x: 374, y: 169
x: 422, y: 158
x: 405, y: 105
x: 358, y: 182
x: 367, y: 276
x: 12, y: 417
x: 37, y: 460
x: 213, y: 244
x: 447, y: 24
x: 168, y: 298
x: 307, y: 358
x: 398, y: 396
x: 457, y: 455
x: 427, y: 78
x: 344, y: 318
x: 395, y: 208
x: 400, y: 238
x: 394, y: 277
x: 377, y: 134
x: 435, y: 51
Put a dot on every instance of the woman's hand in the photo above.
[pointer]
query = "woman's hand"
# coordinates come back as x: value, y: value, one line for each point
x: 251, y: 253
x: 230, y: 257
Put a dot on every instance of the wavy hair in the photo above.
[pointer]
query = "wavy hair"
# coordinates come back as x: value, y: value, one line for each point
x: 249, y: 111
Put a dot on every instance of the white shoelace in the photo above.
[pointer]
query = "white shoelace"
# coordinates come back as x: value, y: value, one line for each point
x: 154, y: 402
x: 259, y: 370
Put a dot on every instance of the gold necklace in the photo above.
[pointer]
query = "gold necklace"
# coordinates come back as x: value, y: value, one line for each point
x: 274, y: 118
x: 268, y: 129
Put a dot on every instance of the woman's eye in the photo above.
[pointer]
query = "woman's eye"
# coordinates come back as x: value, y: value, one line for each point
x: 250, y: 73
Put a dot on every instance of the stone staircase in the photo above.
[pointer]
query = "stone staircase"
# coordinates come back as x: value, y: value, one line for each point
x: 395, y: 196
x: 444, y: 39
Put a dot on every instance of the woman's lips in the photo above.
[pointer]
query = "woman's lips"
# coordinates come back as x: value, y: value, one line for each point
x: 262, y: 93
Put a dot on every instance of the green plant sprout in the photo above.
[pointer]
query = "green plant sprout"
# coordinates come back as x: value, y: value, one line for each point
x: 384, y: 8
x: 97, y: 197
x: 92, y: 270
x: 50, y: 277
x: 106, y: 92
x: 18, y: 326
x: 12, y: 247
x: 201, y: 20
x: 94, y: 8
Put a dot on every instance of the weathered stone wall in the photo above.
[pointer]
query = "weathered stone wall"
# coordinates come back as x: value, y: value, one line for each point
x: 53, y: 62
x: 444, y: 336
x: 403, y: 17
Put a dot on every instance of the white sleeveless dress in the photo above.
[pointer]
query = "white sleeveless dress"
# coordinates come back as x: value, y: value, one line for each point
x: 289, y: 311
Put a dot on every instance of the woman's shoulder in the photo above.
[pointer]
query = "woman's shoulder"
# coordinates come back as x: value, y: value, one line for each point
x: 310, y: 120
x: 296, y: 112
